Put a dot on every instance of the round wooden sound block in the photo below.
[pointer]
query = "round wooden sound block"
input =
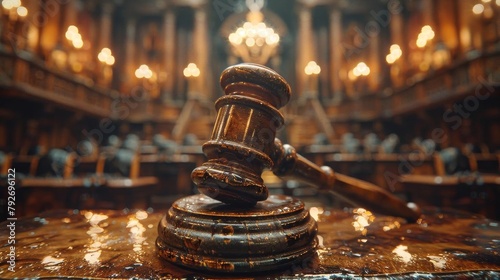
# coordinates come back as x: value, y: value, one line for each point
x: 204, y: 234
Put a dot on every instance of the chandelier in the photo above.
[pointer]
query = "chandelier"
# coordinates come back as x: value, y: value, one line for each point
x: 254, y: 41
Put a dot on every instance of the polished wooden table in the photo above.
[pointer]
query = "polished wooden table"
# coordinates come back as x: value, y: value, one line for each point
x: 121, y: 244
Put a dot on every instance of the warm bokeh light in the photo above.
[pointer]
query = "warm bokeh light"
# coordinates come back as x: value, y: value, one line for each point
x: 478, y: 9
x: 312, y: 68
x: 254, y: 41
x: 11, y: 4
x: 78, y: 43
x: 394, y: 54
x: 425, y: 35
x: 72, y: 32
x: 361, y: 70
x: 396, y: 50
x: 390, y: 58
x: 105, y: 56
x: 315, y: 212
x: 22, y: 11
x: 254, y: 34
x: 143, y: 72
x: 191, y: 71
x: 362, y: 219
x: 73, y: 35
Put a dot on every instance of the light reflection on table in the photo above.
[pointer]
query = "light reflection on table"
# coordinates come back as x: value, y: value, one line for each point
x: 353, y: 242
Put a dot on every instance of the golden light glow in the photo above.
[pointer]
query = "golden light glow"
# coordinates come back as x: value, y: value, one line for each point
x: 97, y: 228
x: 425, y: 35
x: 394, y: 54
x: 362, y: 219
x: 315, y: 212
x: 136, y: 233
x: 22, y: 11
x: 254, y: 41
x: 312, y: 68
x: 402, y: 254
x: 143, y: 72
x: 391, y: 226
x: 191, y: 71
x: 11, y: 4
x: 478, y: 9
x: 73, y: 35
x: 486, y: 1
x: 105, y: 56
x: 360, y: 70
x: 254, y: 34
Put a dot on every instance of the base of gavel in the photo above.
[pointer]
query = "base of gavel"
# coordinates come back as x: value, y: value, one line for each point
x: 204, y: 234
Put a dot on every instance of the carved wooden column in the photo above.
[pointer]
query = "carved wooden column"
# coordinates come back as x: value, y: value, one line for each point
x: 374, y: 55
x: 201, y: 50
x: 464, y: 20
x: 104, y: 72
x: 129, y: 59
x: 53, y: 47
x: 397, y: 27
x: 304, y: 46
x: 428, y: 13
x: 70, y: 15
x: 471, y: 25
x: 477, y: 25
x: 105, y: 25
x: 32, y: 25
x: 336, y: 53
x: 40, y: 24
x: 199, y: 88
x: 447, y: 23
x: 428, y: 17
x: 169, y: 59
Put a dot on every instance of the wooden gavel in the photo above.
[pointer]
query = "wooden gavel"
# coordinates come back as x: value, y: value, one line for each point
x: 243, y: 144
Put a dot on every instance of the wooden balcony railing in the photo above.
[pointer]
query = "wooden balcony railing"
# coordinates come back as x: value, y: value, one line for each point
x: 27, y: 77
x: 449, y: 83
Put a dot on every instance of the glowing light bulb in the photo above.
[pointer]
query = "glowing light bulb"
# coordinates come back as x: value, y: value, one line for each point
x: 312, y: 68
x: 390, y: 58
x: 22, y: 11
x: 143, y: 72
x: 478, y: 9
x: 78, y: 43
x: 191, y: 71
x: 250, y: 42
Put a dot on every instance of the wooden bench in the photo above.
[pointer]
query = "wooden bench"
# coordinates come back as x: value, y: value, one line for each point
x: 475, y: 193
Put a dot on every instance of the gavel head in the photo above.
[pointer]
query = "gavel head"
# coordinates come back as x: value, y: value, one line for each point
x: 243, y: 135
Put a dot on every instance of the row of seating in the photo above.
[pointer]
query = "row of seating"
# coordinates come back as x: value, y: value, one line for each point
x: 161, y: 167
x: 121, y: 174
x: 372, y: 144
x: 451, y: 177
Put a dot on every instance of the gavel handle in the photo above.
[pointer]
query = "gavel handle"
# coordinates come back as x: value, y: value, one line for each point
x: 359, y: 193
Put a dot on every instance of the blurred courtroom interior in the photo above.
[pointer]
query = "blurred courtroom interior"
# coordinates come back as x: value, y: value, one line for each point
x: 106, y: 104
